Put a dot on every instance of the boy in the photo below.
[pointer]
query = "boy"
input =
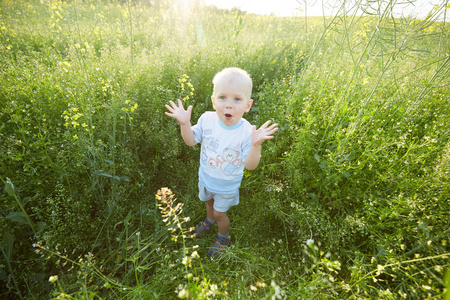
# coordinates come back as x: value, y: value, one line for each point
x: 229, y: 143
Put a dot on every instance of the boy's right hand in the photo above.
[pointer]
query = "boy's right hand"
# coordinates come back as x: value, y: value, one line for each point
x: 179, y: 113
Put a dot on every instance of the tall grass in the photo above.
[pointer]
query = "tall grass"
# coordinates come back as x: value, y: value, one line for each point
x: 352, y: 194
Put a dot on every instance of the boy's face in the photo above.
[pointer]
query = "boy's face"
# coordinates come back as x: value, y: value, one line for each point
x: 230, y: 100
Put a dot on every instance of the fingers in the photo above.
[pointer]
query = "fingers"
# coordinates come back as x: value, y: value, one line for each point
x: 169, y: 108
x: 173, y: 107
x: 269, y: 129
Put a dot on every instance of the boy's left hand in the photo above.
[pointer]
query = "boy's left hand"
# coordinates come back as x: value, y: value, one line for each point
x: 263, y: 133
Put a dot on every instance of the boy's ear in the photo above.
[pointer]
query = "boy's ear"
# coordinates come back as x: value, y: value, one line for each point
x: 249, y: 105
x: 213, y: 100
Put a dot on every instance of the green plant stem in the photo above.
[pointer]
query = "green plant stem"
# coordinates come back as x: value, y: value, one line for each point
x: 8, y: 262
x: 19, y: 203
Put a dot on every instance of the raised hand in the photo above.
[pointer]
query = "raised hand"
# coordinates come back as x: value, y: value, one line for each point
x: 179, y: 113
x: 263, y: 133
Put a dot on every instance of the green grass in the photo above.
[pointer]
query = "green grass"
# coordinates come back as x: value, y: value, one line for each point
x: 350, y: 201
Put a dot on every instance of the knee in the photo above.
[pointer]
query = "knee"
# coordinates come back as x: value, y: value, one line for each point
x: 219, y: 215
x: 210, y: 202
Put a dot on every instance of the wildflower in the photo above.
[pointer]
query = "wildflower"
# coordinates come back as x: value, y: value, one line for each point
x: 183, y: 293
x: 75, y: 137
x: 53, y: 279
x: 278, y: 292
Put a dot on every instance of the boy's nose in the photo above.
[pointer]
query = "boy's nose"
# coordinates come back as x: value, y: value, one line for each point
x: 229, y: 104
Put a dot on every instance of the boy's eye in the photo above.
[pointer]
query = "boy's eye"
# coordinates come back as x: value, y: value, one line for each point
x: 237, y: 99
x: 222, y: 97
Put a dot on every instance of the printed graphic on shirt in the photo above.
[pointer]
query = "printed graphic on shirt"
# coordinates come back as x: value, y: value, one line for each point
x: 227, y: 162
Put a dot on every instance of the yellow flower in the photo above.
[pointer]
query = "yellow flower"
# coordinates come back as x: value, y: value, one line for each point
x: 75, y: 137
x: 76, y: 117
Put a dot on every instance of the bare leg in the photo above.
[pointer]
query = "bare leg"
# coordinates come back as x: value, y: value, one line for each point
x: 222, y: 222
x: 210, y: 208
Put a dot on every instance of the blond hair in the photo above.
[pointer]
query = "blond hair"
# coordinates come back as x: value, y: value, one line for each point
x: 237, y: 73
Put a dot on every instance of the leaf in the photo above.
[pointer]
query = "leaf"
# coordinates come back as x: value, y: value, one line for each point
x: 344, y: 108
x: 9, y: 187
x: 128, y: 218
x: 17, y: 217
x: 40, y: 226
x: 26, y: 199
x: 98, y: 244
x: 7, y: 245
x: 105, y: 174
x: 123, y: 178
x: 317, y: 157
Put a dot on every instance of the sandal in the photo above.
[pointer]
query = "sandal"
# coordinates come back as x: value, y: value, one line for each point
x: 219, y: 246
x: 202, y: 228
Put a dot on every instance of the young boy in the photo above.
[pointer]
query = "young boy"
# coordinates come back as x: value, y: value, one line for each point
x: 228, y: 144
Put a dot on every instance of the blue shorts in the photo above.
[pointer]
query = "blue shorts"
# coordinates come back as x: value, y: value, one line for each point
x: 222, y: 202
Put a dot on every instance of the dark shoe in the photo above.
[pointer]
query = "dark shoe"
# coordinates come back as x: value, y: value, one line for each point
x: 203, y: 228
x: 219, y: 246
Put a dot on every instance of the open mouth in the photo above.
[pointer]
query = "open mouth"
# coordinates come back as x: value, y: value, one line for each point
x: 228, y: 116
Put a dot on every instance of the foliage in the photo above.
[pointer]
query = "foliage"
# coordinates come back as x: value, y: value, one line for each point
x: 353, y: 191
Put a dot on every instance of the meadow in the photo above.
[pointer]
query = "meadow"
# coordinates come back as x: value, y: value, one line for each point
x: 351, y: 199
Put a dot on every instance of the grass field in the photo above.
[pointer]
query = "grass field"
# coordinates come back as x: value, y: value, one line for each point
x: 351, y: 199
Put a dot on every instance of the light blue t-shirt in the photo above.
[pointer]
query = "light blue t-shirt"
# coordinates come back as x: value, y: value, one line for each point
x: 223, y: 152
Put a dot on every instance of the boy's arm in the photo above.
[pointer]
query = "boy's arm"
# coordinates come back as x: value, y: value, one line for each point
x: 258, y: 136
x: 184, y: 118
x: 188, y: 134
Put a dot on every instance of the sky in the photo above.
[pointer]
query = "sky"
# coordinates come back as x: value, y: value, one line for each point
x: 418, y: 8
